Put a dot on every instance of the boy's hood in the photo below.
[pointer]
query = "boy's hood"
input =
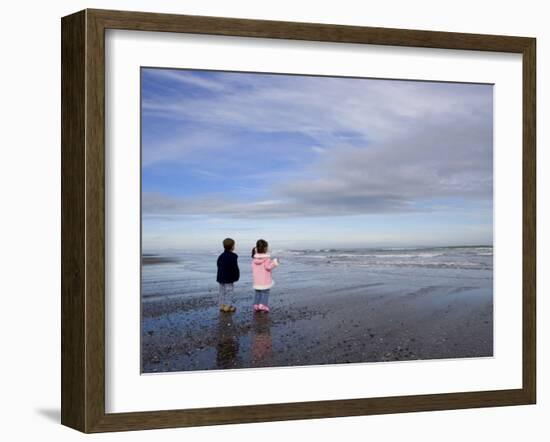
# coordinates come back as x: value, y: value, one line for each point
x: 260, y: 258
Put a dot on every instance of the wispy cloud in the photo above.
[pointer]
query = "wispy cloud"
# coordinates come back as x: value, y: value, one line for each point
x: 348, y: 146
x: 185, y: 77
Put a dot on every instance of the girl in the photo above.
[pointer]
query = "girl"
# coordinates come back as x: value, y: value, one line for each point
x: 262, y: 265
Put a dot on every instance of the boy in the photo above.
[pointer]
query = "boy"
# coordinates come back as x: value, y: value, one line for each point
x: 228, y: 273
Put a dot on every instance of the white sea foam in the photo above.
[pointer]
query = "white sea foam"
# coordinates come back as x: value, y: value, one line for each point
x: 195, y: 272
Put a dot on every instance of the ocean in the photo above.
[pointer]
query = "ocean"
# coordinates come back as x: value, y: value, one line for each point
x: 191, y: 274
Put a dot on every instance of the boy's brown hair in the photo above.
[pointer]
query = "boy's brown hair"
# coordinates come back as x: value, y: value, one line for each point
x: 228, y: 244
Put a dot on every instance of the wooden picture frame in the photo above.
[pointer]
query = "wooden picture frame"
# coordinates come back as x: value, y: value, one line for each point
x: 83, y: 220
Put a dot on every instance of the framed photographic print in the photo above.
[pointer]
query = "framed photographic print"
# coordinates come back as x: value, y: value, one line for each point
x: 271, y: 220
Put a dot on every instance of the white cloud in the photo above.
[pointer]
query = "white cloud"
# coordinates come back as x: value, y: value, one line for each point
x: 383, y: 146
x: 186, y: 77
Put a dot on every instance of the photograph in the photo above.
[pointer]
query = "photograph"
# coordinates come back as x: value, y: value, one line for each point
x: 292, y: 220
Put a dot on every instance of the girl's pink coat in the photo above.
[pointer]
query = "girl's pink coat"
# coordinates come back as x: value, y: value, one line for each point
x: 262, y: 265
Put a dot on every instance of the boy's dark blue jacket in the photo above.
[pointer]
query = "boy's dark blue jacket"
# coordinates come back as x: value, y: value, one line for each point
x: 228, y: 269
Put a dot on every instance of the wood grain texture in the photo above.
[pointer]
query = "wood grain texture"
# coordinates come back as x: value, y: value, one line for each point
x: 529, y: 221
x: 145, y: 21
x: 83, y: 220
x: 95, y: 222
x: 73, y: 129
x: 307, y: 410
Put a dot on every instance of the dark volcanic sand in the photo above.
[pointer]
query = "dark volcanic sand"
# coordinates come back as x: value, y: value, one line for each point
x: 357, y: 324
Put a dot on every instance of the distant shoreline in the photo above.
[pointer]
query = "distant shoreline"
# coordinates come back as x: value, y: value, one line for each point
x: 159, y: 254
x: 149, y: 258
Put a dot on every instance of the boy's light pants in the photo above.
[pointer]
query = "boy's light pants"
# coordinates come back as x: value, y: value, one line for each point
x: 226, y: 294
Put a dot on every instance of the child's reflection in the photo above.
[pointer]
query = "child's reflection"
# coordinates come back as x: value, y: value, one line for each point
x: 228, y: 344
x: 261, y: 340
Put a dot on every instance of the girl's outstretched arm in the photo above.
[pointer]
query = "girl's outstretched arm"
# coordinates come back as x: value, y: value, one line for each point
x: 270, y: 264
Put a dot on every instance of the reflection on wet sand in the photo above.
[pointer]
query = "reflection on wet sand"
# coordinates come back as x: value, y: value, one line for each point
x: 227, y: 348
x: 261, y: 341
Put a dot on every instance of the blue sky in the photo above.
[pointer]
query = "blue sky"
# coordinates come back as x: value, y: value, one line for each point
x: 309, y: 161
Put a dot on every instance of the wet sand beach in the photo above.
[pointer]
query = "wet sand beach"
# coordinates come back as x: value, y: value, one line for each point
x: 362, y: 315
